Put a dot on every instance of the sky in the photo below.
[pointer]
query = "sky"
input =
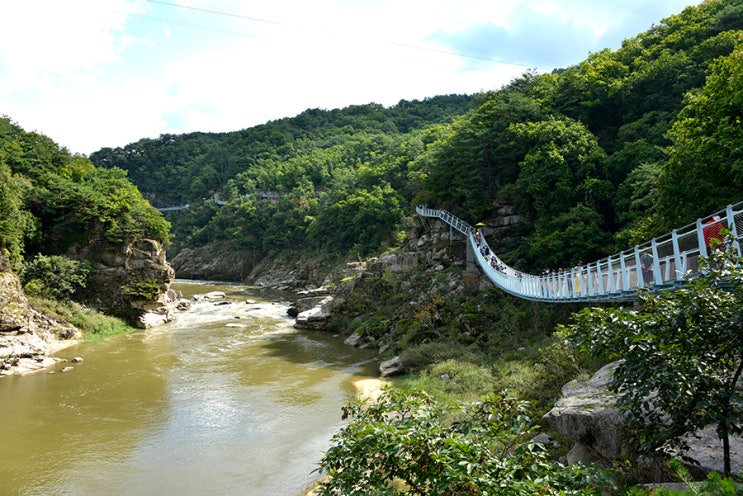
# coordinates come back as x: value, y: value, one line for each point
x: 91, y: 74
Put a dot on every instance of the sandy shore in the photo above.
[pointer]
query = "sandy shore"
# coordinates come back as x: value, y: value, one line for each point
x: 369, y: 389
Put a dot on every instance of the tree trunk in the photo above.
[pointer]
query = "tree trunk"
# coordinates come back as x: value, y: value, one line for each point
x: 726, y: 452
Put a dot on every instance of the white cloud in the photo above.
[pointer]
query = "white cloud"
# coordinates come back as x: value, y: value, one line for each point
x: 44, y: 42
x: 92, y: 73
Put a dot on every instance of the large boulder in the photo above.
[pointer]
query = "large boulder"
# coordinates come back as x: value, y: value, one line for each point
x: 311, y: 298
x: 160, y: 311
x: 393, y: 366
x: 316, y: 317
x: 587, y: 415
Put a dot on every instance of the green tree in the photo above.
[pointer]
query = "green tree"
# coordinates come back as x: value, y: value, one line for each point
x: 358, y: 220
x: 637, y: 201
x: 569, y: 238
x: 681, y: 356
x: 564, y: 166
x: 464, y: 170
x: 14, y: 219
x: 55, y: 276
x: 94, y: 200
x: 706, y: 159
x: 406, y: 443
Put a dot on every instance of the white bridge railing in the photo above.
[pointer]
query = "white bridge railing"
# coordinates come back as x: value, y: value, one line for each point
x: 661, y: 263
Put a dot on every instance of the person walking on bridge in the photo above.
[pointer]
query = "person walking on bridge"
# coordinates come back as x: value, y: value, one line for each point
x: 646, y: 264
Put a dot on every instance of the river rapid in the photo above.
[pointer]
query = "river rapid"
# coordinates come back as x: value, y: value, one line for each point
x: 227, y: 400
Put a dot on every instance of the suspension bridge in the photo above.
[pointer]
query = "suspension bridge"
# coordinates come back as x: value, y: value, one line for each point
x: 665, y: 262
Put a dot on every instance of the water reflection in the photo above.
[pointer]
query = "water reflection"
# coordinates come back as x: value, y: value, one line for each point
x: 230, y: 399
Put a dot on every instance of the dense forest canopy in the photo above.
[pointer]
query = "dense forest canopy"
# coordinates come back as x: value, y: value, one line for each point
x: 624, y: 146
x: 51, y: 200
x: 612, y: 151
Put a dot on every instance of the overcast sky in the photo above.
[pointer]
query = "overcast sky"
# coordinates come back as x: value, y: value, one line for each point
x: 105, y: 73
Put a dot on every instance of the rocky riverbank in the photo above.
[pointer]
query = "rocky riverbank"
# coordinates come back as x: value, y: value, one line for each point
x: 585, y: 415
x: 27, y: 338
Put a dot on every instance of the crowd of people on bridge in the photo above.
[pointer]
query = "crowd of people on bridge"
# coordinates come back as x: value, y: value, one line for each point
x: 489, y: 258
x: 658, y: 264
x: 558, y: 283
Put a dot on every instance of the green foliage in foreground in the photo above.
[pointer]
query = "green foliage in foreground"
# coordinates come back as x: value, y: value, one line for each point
x: 407, y: 443
x: 682, y: 356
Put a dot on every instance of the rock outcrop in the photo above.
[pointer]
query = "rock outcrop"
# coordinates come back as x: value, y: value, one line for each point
x: 130, y: 280
x: 316, y: 317
x: 587, y: 415
x: 393, y: 366
x: 214, y: 261
x: 27, y: 338
x: 314, y: 307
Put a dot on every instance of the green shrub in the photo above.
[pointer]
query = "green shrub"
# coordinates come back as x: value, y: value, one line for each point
x: 408, y: 443
x: 92, y: 324
x: 424, y: 355
x: 55, y: 276
x: 96, y: 325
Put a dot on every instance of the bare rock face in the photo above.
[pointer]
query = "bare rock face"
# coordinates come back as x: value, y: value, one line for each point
x: 26, y: 337
x: 130, y: 281
x: 215, y: 261
x: 587, y: 415
x: 396, y: 263
x: 316, y: 317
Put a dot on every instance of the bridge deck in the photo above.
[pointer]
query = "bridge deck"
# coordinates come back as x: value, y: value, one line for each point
x: 662, y: 263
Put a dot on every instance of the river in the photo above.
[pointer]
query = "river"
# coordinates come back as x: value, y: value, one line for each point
x: 227, y: 400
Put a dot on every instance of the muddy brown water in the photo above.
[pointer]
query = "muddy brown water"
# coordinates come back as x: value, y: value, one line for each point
x: 226, y: 400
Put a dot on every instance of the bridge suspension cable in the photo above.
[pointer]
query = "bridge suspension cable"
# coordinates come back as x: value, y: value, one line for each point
x: 665, y: 262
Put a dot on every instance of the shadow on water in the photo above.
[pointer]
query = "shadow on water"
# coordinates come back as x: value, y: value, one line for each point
x: 321, y: 349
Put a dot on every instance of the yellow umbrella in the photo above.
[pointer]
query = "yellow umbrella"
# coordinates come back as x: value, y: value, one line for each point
x: 480, y: 224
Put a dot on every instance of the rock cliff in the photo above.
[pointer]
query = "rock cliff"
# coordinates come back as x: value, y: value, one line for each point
x: 27, y: 338
x: 130, y: 280
x: 214, y: 261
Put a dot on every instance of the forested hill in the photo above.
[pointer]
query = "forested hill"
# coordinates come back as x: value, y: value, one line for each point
x: 178, y: 169
x: 621, y: 147
x: 52, y: 201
